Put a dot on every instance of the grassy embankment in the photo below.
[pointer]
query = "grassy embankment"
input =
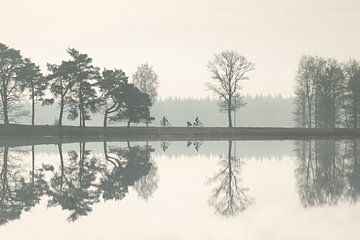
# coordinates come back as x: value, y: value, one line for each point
x: 25, y: 135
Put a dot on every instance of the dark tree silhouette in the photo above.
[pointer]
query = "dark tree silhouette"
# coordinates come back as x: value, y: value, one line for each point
x: 136, y: 107
x: 229, y: 198
x: 83, y: 98
x: 227, y: 70
x: 308, y: 75
x: 61, y: 85
x: 351, y: 94
x: 146, y: 80
x: 319, y: 92
x: 112, y: 86
x: 33, y: 81
x: 10, y: 86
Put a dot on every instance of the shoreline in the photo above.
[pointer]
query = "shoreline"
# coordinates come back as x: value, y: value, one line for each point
x: 20, y: 135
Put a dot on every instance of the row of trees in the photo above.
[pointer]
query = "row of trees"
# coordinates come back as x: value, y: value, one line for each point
x: 78, y: 86
x: 327, y: 93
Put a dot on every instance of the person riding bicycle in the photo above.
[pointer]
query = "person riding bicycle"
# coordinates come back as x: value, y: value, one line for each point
x: 197, y: 122
x: 164, y: 122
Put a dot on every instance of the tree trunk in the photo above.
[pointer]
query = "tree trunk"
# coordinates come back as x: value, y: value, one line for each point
x: 230, y: 172
x: 80, y: 117
x: 105, y: 118
x: 309, y: 112
x: 128, y: 123
x: 83, y: 121
x: 33, y: 165
x: 32, y: 107
x: 105, y: 150
x: 81, y: 161
x: 62, y: 166
x: 5, y: 109
x: 229, y: 118
x: 316, y: 110
x: 4, y: 167
x: 61, y: 111
x: 356, y: 114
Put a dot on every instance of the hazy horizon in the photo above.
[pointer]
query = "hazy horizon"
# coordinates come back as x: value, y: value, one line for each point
x: 179, y: 38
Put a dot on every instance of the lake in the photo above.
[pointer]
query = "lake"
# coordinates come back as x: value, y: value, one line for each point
x: 304, y: 189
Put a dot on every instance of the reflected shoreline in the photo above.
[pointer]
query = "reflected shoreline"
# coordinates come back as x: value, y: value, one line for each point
x: 77, y: 182
x: 33, y: 135
x: 327, y: 171
x: 18, y: 141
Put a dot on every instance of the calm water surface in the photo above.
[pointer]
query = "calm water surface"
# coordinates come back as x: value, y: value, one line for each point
x: 181, y: 190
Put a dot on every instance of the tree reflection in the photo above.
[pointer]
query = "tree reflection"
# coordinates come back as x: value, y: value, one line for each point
x: 18, y: 192
x: 75, y: 188
x: 87, y: 179
x: 353, y: 175
x: 327, y: 171
x: 130, y: 164
x: 147, y: 184
x: 229, y: 198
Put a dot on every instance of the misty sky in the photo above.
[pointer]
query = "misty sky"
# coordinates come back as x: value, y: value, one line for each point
x: 180, y: 37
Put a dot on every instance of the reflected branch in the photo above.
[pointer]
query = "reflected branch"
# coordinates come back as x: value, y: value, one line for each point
x: 229, y: 198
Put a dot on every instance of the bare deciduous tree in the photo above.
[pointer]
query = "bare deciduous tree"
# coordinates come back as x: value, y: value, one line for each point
x: 227, y: 69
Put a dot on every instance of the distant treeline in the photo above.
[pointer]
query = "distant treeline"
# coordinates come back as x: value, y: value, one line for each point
x: 259, y: 111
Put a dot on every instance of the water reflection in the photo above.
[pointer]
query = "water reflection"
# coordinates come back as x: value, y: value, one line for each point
x: 327, y: 171
x: 18, y: 192
x: 81, y: 180
x: 164, y: 145
x: 196, y: 144
x: 229, y: 197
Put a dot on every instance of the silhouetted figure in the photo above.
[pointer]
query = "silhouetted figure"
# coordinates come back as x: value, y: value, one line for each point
x: 164, y: 145
x: 164, y: 122
x: 188, y: 124
x: 197, y: 122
